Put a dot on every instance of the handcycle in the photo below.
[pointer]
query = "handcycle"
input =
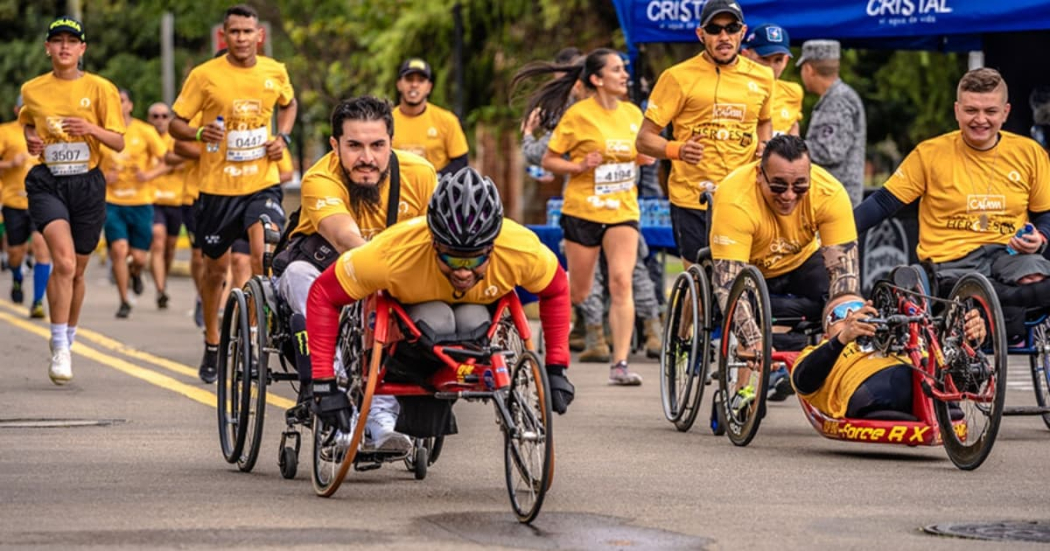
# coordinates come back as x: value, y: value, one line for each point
x: 499, y: 366
x: 958, y: 386
x: 256, y: 326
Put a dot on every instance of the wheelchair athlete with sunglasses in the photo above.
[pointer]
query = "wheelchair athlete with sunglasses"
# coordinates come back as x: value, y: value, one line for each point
x: 769, y: 213
x: 842, y: 379
x: 445, y: 268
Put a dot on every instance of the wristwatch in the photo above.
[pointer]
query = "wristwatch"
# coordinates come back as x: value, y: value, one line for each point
x: 286, y: 137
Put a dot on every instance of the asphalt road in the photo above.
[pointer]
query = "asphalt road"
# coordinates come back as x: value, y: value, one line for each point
x: 146, y: 469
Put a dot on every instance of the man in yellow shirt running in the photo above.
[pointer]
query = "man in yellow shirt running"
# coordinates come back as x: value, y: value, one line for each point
x: 235, y: 95
x: 719, y: 104
x: 424, y: 128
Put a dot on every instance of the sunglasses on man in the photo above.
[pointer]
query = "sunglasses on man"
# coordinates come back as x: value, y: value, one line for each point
x: 780, y: 188
x: 158, y: 115
x: 457, y: 262
x: 842, y: 311
x: 714, y: 29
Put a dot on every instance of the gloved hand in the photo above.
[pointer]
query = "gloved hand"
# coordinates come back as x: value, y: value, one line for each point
x: 331, y: 404
x: 562, y: 391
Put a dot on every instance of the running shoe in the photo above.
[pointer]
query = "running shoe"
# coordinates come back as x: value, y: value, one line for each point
x: 61, y: 369
x: 124, y: 310
x: 381, y: 436
x: 36, y: 311
x: 779, y: 385
x: 209, y: 369
x: 162, y: 301
x: 136, y: 283
x: 742, y: 399
x: 621, y: 376
x: 17, y: 296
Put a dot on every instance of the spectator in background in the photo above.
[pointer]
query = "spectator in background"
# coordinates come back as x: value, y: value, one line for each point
x: 423, y: 128
x: 837, y: 133
x: 768, y: 45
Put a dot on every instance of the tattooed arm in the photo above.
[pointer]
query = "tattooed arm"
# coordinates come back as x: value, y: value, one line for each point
x: 843, y: 268
x: 725, y: 271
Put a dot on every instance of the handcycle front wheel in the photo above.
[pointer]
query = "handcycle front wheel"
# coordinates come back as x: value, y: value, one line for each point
x: 234, y: 351
x: 975, y: 368
x: 685, y: 360
x: 258, y: 375
x: 744, y: 374
x: 528, y: 440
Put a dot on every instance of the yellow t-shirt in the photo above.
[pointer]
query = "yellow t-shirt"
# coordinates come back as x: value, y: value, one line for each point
x: 402, y: 261
x: 851, y: 369
x: 787, y: 106
x: 434, y: 134
x: 746, y: 229
x: 13, y: 180
x: 142, y: 146
x: 605, y: 194
x: 168, y: 187
x: 971, y: 198
x: 324, y: 193
x: 49, y: 99
x: 245, y: 98
x: 724, y: 106
x: 191, y: 172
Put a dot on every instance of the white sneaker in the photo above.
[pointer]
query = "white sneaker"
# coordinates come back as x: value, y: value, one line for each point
x: 61, y: 370
x: 379, y: 430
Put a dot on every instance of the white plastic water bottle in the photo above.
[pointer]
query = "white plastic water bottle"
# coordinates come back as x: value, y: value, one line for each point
x: 213, y: 147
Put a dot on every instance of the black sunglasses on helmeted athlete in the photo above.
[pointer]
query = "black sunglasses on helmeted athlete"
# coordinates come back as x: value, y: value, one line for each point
x: 780, y: 188
x: 714, y: 29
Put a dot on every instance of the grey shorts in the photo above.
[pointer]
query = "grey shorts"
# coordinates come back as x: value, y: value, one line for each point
x: 995, y: 263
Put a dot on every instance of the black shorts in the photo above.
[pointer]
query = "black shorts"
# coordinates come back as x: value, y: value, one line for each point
x: 19, y: 226
x: 241, y: 245
x: 168, y: 216
x: 79, y: 199
x: 221, y: 219
x: 189, y: 219
x: 802, y: 292
x: 587, y: 233
x: 690, y: 231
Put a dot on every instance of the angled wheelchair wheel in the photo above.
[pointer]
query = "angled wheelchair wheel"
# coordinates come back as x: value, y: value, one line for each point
x: 506, y: 337
x: 333, y: 451
x: 258, y: 375
x: 528, y: 443
x: 744, y: 374
x: 1040, y: 364
x: 977, y: 369
x: 684, y: 362
x: 234, y: 353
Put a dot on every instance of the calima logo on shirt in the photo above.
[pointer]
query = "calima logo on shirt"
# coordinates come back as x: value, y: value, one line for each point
x: 729, y: 111
x: 985, y: 203
x: 617, y: 146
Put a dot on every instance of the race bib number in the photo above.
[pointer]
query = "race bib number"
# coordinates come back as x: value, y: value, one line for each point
x: 246, y: 145
x: 614, y: 177
x: 67, y: 158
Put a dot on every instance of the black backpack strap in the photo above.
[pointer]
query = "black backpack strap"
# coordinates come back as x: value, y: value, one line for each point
x: 290, y: 226
x: 394, y: 201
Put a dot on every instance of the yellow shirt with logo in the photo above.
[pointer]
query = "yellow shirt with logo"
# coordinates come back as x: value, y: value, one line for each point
x: 402, y: 261
x: 142, y: 147
x: 851, y: 369
x: 13, y: 180
x: 745, y: 228
x: 168, y: 187
x: 971, y: 198
x: 434, y: 134
x: 787, y: 106
x: 324, y: 194
x: 245, y: 98
x: 48, y: 100
x: 721, y: 104
x: 605, y: 194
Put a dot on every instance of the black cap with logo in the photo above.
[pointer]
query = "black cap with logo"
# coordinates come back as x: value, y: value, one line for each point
x: 66, y: 24
x: 415, y: 65
x: 715, y: 7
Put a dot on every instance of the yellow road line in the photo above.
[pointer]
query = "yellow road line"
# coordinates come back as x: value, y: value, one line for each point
x: 121, y: 348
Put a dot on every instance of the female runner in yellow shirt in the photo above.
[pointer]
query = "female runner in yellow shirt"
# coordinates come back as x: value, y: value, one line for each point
x: 593, y: 143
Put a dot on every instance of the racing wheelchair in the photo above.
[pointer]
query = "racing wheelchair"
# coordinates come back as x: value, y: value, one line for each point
x: 256, y: 326
x: 958, y: 386
x: 497, y: 366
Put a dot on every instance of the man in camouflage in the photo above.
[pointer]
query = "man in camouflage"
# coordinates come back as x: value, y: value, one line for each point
x: 837, y: 131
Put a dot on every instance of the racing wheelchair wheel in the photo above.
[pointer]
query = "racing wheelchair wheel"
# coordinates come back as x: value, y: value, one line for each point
x: 333, y: 451
x: 255, y: 387
x: 528, y: 444
x: 684, y: 362
x: 743, y: 402
x: 234, y: 353
x: 977, y: 369
x: 1040, y: 364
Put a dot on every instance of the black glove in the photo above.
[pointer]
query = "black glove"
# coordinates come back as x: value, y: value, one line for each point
x: 562, y: 391
x: 331, y: 405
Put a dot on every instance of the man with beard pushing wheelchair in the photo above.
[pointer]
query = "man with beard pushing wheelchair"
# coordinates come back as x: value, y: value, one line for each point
x: 434, y: 267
